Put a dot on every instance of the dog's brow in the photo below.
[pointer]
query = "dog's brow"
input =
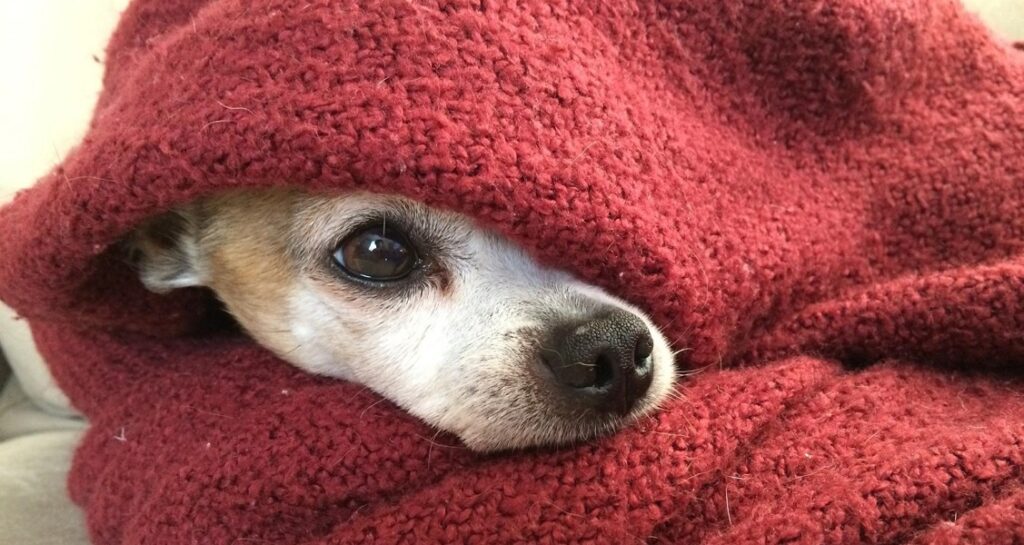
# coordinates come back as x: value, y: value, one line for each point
x: 321, y: 224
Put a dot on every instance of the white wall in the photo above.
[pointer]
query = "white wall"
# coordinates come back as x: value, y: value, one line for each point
x: 51, y: 80
x: 1005, y: 17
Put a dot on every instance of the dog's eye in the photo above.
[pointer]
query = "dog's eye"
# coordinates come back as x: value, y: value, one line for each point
x: 373, y: 253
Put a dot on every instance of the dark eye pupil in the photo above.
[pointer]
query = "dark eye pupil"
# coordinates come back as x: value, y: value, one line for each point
x: 374, y: 254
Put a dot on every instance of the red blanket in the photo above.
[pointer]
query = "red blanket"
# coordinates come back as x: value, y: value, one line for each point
x: 821, y: 202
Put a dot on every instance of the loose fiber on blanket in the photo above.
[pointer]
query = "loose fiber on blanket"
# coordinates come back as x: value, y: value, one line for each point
x: 821, y: 202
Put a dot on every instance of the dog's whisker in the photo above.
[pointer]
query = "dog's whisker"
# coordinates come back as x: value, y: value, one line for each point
x: 422, y: 306
x: 292, y: 350
x: 371, y: 405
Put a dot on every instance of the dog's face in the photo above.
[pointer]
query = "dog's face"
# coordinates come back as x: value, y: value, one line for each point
x: 446, y: 319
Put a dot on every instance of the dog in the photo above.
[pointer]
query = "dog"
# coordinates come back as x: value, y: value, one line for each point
x: 447, y: 319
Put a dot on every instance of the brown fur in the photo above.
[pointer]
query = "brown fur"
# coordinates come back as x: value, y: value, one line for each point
x: 243, y: 243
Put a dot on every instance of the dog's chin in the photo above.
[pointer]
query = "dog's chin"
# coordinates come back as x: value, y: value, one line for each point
x: 554, y: 433
x: 550, y: 428
x: 500, y: 417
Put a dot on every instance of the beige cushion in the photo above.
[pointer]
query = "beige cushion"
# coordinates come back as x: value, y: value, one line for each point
x: 34, y: 507
x: 21, y: 415
x: 28, y: 366
x: 35, y: 453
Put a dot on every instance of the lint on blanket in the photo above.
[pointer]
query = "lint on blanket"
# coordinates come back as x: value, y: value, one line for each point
x: 822, y: 202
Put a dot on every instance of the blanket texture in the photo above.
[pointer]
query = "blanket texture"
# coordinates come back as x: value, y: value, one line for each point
x: 821, y: 203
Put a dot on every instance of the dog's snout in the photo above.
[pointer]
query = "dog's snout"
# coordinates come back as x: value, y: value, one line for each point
x: 604, y: 362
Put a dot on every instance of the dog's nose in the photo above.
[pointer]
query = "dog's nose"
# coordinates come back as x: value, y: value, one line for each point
x: 604, y: 363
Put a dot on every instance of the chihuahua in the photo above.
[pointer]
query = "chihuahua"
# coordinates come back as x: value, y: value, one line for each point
x: 443, y: 317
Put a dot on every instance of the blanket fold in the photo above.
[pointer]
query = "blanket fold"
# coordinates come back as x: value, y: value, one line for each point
x: 820, y: 203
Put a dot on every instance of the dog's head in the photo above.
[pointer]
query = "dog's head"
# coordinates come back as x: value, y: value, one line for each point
x: 447, y: 319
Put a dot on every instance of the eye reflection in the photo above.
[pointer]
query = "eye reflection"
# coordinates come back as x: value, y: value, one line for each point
x: 371, y: 253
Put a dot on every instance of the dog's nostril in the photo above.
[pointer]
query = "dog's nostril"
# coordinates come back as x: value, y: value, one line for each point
x: 573, y: 372
x: 643, y: 352
x: 605, y: 362
x: 604, y: 372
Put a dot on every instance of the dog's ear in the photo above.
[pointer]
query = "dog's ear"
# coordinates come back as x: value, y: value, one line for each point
x: 165, y: 251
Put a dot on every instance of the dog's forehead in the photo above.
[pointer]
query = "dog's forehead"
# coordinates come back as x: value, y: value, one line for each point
x: 324, y: 218
x: 456, y: 344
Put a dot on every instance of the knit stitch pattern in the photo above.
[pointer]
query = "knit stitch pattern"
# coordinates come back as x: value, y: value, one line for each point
x: 820, y: 203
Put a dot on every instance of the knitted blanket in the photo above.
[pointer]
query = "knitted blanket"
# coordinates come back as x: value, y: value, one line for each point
x: 821, y: 203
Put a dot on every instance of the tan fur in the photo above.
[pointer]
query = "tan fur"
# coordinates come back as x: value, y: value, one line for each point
x: 457, y: 348
x: 244, y: 247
